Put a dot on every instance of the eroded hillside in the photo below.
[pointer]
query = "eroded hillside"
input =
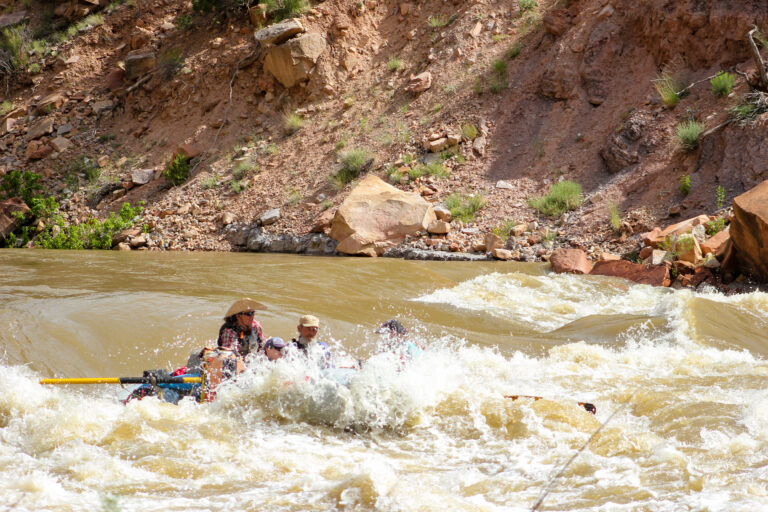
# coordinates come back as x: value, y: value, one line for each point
x: 530, y: 94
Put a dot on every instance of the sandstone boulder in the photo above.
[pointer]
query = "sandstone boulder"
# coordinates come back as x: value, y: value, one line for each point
x: 688, y: 249
x: 270, y: 217
x: 142, y: 176
x: 420, y: 83
x: 50, y: 102
x: 42, y: 127
x: 139, y: 63
x: 114, y: 79
x: 37, y: 150
x: 279, y: 32
x: 501, y: 254
x: 323, y: 222
x: 657, y: 235
x: 61, y: 144
x: 439, y: 227
x: 717, y: 244
x: 556, y: 21
x: 492, y: 241
x: 292, y: 62
x: 654, y: 276
x: 571, y: 261
x: 749, y: 230
x: 8, y: 222
x: 376, y: 215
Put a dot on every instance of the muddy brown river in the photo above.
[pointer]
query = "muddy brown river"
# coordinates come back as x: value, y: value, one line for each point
x: 684, y: 372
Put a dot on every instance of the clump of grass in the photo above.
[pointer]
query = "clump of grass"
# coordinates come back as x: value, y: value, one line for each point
x: 504, y: 229
x: 722, y: 83
x: 464, y: 208
x: 685, y: 185
x: 353, y: 163
x: 395, y: 64
x: 292, y: 122
x: 394, y: 175
x: 5, y: 107
x: 500, y: 66
x: 438, y: 21
x: 34, y: 68
x: 86, y: 167
x: 14, y: 42
x: 527, y: 5
x: 668, y: 88
x: 562, y: 197
x: 689, y: 133
x: 238, y: 186
x: 513, y: 51
x: 294, y: 196
x: 211, y: 181
x: 177, y: 171
x: 243, y: 168
x: 469, y: 131
x: 170, y: 62
x: 614, y: 215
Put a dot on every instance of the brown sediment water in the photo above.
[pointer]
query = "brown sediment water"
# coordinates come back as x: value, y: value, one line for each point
x: 437, y: 435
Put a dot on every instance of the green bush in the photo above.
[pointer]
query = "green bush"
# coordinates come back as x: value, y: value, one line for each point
x: 464, y: 208
x: 469, y: 131
x: 500, y: 66
x: 527, y: 5
x: 722, y: 83
x: 14, y: 41
x: 353, y: 163
x: 713, y: 227
x: 685, y: 185
x: 562, y: 197
x: 92, y: 234
x: 720, y: 197
x: 25, y: 185
x: 689, y: 133
x: 284, y: 9
x: 177, y: 171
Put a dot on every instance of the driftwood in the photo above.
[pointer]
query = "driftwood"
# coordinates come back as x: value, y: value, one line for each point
x: 762, y: 78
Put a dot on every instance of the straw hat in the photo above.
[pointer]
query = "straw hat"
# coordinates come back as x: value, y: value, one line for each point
x: 244, y: 305
x: 309, y: 321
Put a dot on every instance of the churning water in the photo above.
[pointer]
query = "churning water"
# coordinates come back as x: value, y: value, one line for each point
x: 686, y: 372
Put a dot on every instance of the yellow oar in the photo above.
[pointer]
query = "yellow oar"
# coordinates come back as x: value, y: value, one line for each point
x: 124, y: 380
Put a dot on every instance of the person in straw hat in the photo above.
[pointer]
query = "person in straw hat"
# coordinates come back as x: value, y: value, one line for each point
x: 241, y: 332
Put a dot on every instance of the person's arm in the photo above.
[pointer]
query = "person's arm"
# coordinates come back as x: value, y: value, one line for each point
x: 228, y: 339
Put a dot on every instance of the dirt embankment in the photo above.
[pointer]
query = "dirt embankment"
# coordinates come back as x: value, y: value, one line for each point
x: 574, y: 99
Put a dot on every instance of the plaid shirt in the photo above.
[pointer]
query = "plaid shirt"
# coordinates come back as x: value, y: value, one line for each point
x: 230, y: 339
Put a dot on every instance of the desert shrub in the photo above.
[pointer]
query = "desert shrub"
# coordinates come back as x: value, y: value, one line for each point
x: 353, y: 163
x: 500, y: 66
x: 562, y: 197
x: 713, y: 227
x: 14, y: 43
x: 284, y: 9
x: 169, y: 62
x: 689, y: 133
x: 84, y: 166
x: 292, y: 122
x: 504, y: 229
x: 5, y: 107
x: 177, y: 171
x: 184, y: 21
x: 211, y: 181
x: 720, y: 197
x: 513, y: 51
x: 750, y: 106
x: 722, y: 83
x: 243, y: 168
x: 685, y: 185
x: 438, y: 21
x: 238, y: 186
x: 527, y: 5
x: 464, y: 208
x: 394, y: 175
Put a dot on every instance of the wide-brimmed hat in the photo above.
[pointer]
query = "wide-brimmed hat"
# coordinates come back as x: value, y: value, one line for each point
x: 309, y: 321
x: 244, y: 305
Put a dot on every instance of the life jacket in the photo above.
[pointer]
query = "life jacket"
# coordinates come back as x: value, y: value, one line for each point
x: 246, y: 343
x: 219, y: 364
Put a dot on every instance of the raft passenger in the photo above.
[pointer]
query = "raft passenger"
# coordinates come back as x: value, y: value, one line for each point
x: 395, y: 340
x: 308, y: 327
x: 241, y: 332
x: 273, y: 348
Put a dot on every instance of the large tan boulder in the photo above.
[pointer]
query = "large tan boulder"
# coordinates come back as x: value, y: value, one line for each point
x: 749, y: 231
x: 654, y: 276
x: 279, y: 32
x: 377, y: 215
x: 571, y: 261
x: 717, y: 244
x: 292, y: 61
